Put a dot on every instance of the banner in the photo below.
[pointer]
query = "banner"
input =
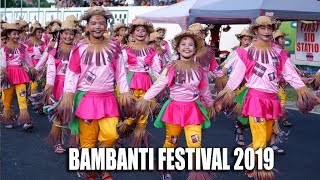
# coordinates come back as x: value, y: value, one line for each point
x: 308, y: 42
x: 290, y: 28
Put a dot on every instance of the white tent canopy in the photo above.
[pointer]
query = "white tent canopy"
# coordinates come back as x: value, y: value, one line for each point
x: 175, y: 14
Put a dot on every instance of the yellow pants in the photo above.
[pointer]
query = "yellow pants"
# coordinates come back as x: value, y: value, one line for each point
x: 261, y: 130
x: 283, y: 96
x: 142, y: 120
x: 21, y: 93
x: 34, y: 87
x: 193, y: 134
x: 103, y: 130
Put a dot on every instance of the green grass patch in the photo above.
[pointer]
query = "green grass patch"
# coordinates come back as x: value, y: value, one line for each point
x: 291, y: 93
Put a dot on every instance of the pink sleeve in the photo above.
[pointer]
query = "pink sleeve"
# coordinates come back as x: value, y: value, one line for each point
x: 74, y: 62
x: 237, y: 74
x: 27, y: 57
x: 73, y: 72
x: 3, y: 58
x: 168, y: 50
x: 51, y: 70
x: 156, y: 66
x: 71, y: 81
x: 120, y: 74
x: 205, y: 95
x: 157, y: 86
x: 42, y: 61
x: 291, y: 75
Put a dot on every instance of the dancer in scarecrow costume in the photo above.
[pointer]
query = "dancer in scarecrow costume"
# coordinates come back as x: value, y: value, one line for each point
x: 144, y: 65
x: 24, y: 35
x: 245, y: 38
x: 95, y: 64
x: 163, y: 43
x: 14, y: 64
x: 279, y: 38
x: 187, y: 83
x: 119, y: 30
x: 262, y: 64
x: 206, y: 58
x: 154, y: 42
x: 56, y: 69
x: 36, y: 48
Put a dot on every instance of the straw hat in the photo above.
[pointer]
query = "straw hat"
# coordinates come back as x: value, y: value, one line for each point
x: 244, y: 32
x: 118, y: 26
x: 278, y: 33
x: 72, y: 18
x: 161, y: 28
x: 34, y: 27
x: 196, y: 28
x: 154, y: 36
x: 68, y: 25
x: 47, y: 24
x: 141, y: 22
x: 198, y: 40
x: 23, y: 24
x: 55, y: 29
x: 55, y: 21
x: 264, y: 21
x: 9, y: 27
x: 96, y: 10
x: 18, y: 22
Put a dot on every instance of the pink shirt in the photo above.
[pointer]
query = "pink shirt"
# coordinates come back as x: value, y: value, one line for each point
x: 189, y: 91
x: 263, y: 76
x: 153, y: 65
x: 35, y: 51
x: 91, y: 77
x: 15, y: 56
x: 55, y: 67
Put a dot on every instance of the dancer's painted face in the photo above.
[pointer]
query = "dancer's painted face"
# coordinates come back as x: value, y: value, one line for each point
x: 264, y: 33
x: 38, y: 33
x: 246, y: 41
x: 96, y: 26
x: 140, y: 33
x: 187, y: 47
x: 281, y: 41
x: 161, y: 32
x: 131, y: 38
x: 122, y: 31
x: 67, y: 36
x: 14, y: 36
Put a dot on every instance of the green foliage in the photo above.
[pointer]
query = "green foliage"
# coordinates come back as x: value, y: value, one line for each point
x: 17, y: 3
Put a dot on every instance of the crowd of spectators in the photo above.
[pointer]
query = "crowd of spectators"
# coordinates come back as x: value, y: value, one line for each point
x: 108, y: 3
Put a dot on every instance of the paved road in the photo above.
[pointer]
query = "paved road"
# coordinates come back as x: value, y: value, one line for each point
x: 25, y: 156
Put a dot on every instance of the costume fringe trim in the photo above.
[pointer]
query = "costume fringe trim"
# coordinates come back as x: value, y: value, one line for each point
x: 224, y: 100
x: 146, y: 107
x: 221, y: 83
x: 74, y: 141
x: 65, y: 108
x: 124, y: 129
x: 7, y: 116
x: 54, y: 136
x: 205, y: 56
x: 33, y: 41
x: 306, y: 100
x: 126, y: 102
x: 24, y: 117
x: 140, y: 138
